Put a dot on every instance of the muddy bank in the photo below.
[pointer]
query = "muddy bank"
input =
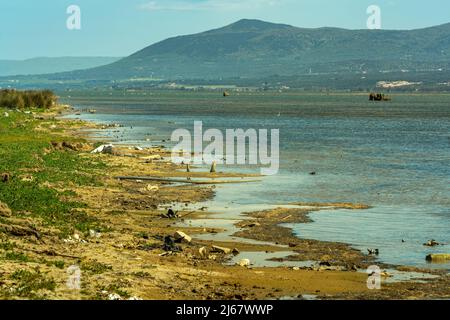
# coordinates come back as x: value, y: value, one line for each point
x: 267, y: 226
x: 115, y: 232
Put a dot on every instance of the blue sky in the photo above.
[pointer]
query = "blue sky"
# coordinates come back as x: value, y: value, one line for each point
x: 120, y: 27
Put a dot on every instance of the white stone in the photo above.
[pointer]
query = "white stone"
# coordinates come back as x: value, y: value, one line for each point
x: 183, y: 237
x: 244, y: 263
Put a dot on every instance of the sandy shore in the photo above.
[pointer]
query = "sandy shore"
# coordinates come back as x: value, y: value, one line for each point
x: 128, y: 257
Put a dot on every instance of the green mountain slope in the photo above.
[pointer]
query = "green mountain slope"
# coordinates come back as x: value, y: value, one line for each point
x: 253, y: 48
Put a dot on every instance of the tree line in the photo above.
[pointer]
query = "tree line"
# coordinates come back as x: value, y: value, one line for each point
x: 14, y: 99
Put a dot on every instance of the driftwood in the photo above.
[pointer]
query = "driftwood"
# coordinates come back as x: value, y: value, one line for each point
x: 19, y: 231
x: 185, y: 181
x: 50, y: 253
x: 186, y: 214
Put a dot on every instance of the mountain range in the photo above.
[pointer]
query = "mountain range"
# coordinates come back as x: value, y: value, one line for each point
x: 254, y: 53
x: 44, y: 65
x: 256, y: 49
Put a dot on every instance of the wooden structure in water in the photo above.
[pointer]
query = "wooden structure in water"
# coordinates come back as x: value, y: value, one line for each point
x: 379, y: 97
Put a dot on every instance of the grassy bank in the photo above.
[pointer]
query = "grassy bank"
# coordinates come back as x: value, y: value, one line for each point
x: 38, y: 173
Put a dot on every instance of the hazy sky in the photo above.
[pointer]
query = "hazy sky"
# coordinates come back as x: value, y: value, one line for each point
x: 31, y: 28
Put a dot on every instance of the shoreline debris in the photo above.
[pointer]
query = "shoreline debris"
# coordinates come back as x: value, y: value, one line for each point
x: 438, y: 257
x: 105, y: 149
x: 170, y: 246
x: 431, y: 243
x: 202, y: 252
x: 186, y: 181
x: 244, y: 263
x: 182, y: 237
x: 223, y: 250
x: 171, y: 214
x: 378, y: 97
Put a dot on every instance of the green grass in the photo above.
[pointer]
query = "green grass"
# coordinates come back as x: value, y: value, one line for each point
x: 28, y: 284
x: 17, y: 256
x: 6, y: 245
x: 24, y: 151
x: 95, y: 267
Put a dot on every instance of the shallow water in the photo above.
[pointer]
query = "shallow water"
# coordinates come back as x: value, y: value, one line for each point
x: 393, y: 156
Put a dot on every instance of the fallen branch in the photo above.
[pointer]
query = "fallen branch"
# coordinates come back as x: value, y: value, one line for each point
x: 186, y: 214
x: 185, y: 181
x: 19, y: 231
x: 50, y: 253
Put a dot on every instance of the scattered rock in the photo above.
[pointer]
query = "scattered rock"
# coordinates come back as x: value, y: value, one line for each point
x: 182, y: 237
x: 105, y: 149
x: 114, y: 297
x: 6, y: 114
x: 169, y: 245
x: 138, y: 149
x: 373, y: 252
x: 438, y: 257
x: 221, y: 250
x: 171, y: 214
x: 94, y: 234
x: 296, y: 268
x: 5, y: 211
x: 235, y: 251
x: 244, y: 263
x: 75, y: 239
x: 202, y: 252
x: 152, y: 188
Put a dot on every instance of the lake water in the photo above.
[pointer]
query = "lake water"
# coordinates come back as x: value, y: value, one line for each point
x: 393, y: 156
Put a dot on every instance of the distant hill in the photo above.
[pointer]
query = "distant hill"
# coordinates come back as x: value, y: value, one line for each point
x: 256, y: 49
x: 51, y: 65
